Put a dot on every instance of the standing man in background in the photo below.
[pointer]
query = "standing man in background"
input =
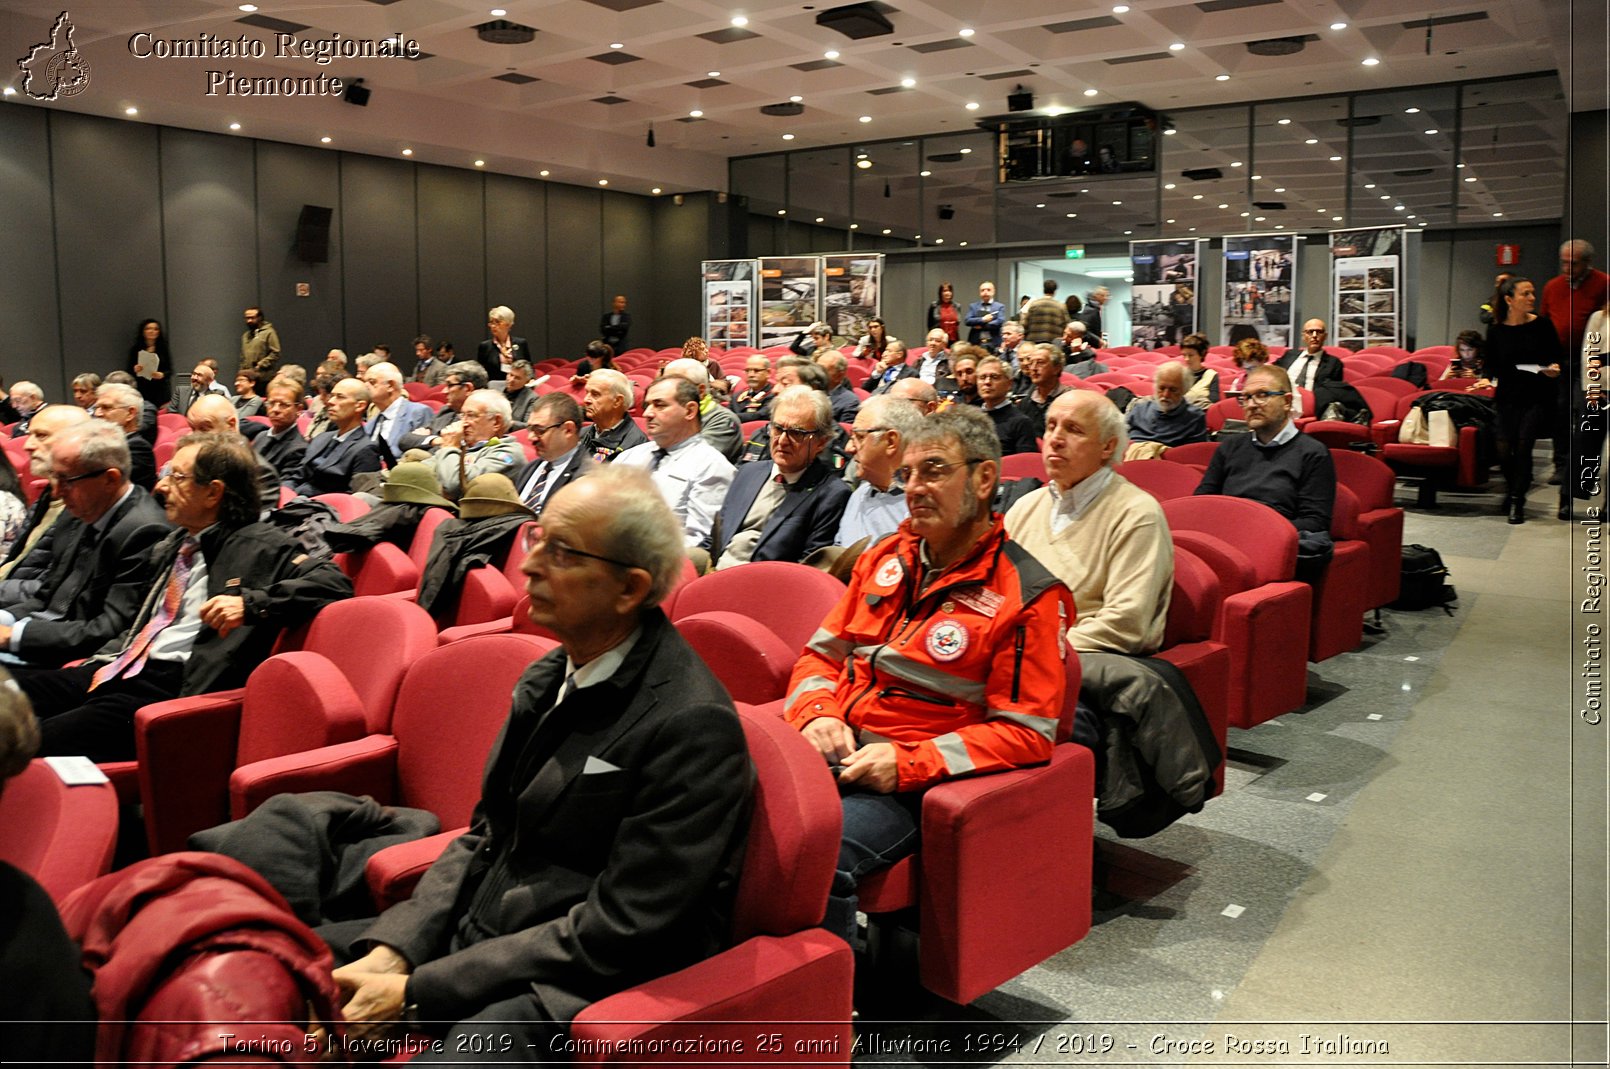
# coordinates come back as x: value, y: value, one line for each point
x: 615, y: 325
x: 1569, y: 299
x: 985, y: 317
x: 1045, y: 317
x: 260, y: 344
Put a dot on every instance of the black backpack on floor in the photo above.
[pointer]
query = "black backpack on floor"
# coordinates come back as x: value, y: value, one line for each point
x: 1425, y: 581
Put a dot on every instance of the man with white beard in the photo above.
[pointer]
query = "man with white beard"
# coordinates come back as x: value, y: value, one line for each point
x: 1166, y: 418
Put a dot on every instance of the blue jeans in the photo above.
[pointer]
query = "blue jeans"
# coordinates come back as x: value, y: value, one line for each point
x: 879, y: 829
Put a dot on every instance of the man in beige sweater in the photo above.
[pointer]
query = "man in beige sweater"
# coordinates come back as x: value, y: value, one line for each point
x: 1100, y: 534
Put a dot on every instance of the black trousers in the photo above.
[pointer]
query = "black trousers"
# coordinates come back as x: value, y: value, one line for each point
x: 98, y: 724
x: 1519, y: 428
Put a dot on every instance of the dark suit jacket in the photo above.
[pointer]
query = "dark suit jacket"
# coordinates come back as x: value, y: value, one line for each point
x: 95, y: 583
x: 614, y: 336
x: 328, y: 466
x: 806, y: 519
x: 874, y: 382
x: 610, y: 875
x: 284, y: 453
x: 419, y: 437
x: 488, y: 356
x: 579, y: 465
x: 1330, y: 369
x: 142, y: 463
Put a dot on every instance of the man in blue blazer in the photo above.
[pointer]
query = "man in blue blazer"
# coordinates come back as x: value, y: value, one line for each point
x: 335, y: 456
x: 394, y: 415
x: 783, y: 509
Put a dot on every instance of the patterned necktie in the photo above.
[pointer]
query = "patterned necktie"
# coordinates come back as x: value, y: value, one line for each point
x: 132, y: 659
x: 538, y: 488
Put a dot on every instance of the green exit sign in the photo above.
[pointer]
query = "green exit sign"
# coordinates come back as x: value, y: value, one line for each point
x: 1073, y: 252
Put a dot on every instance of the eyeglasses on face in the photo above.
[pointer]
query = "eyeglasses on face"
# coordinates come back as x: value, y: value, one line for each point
x: 558, y: 554
x: 63, y: 480
x: 1258, y: 397
x: 860, y: 436
x: 793, y: 434
x: 932, y: 470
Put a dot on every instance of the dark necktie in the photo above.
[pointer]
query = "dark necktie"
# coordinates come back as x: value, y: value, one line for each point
x: 538, y: 488
x: 659, y: 455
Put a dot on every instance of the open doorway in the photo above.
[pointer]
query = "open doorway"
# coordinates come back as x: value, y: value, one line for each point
x: 1080, y: 277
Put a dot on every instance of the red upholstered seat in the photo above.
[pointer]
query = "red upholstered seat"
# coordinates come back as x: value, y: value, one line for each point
x: 61, y: 836
x: 1264, y: 616
x: 1162, y: 481
x: 1437, y: 465
x: 1188, y: 644
x: 485, y: 596
x: 424, y: 534
x: 791, y: 599
x: 380, y: 570
x: 751, y: 662
x: 346, y: 506
x: 1024, y: 466
x: 1385, y: 381
x: 1219, y: 411
x: 1196, y: 454
x: 1341, y: 593
x: 1380, y: 522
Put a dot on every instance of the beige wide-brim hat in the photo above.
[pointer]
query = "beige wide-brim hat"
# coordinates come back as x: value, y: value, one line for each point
x: 413, y: 484
x: 490, y: 495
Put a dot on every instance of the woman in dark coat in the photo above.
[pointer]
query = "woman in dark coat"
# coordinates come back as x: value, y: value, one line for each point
x: 1523, y: 355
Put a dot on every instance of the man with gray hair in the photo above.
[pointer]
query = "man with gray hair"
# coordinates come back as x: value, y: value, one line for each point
x: 878, y: 505
x: 26, y: 399
x: 784, y: 509
x: 718, y: 425
x: 122, y: 406
x: 1167, y: 418
x: 605, y: 400
x: 1042, y: 366
x: 502, y: 349
x: 479, y: 444
x: 394, y: 414
x: 98, y: 574
x: 839, y: 392
x: 32, y: 552
x: 573, y: 884
x: 1100, y: 534
x: 1091, y: 316
x: 462, y: 378
x: 1568, y: 300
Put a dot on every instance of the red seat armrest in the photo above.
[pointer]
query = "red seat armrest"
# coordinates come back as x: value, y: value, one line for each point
x: 393, y: 873
x: 186, y: 749
x: 363, y: 766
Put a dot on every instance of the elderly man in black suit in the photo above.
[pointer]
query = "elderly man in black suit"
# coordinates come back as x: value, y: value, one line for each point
x: 555, y: 429
x: 122, y: 406
x: 606, y: 846
x: 784, y: 509
x: 334, y: 457
x: 98, y: 574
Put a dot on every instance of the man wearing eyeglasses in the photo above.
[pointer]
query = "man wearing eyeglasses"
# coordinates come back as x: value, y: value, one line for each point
x: 284, y: 444
x: 1275, y: 464
x: 1311, y: 367
x: 462, y: 379
x: 98, y: 573
x: 943, y: 659
x: 1013, y: 429
x: 555, y: 430
x: 878, y: 442
x: 785, y: 509
x: 478, y: 444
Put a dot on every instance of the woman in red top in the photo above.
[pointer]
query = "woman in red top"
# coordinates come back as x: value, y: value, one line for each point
x: 944, y: 314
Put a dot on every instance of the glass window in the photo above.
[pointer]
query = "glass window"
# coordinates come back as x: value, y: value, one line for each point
x: 1295, y: 184
x: 1403, y: 157
x: 1512, y: 159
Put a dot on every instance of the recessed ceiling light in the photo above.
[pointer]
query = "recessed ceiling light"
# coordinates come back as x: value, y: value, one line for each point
x: 1411, y: 217
x: 962, y: 243
x: 1311, y: 141
x: 1472, y: 178
x: 796, y: 99
x: 831, y: 53
x: 1259, y: 219
x: 782, y: 211
x: 713, y: 74
x: 965, y: 31
x: 1280, y: 226
x: 925, y: 174
x: 972, y: 105
x: 248, y: 8
x: 1257, y: 178
x: 480, y: 163
x: 1283, y: 122
x: 234, y: 126
x: 1090, y: 92
x: 1338, y: 25
x: 1039, y: 205
x: 617, y: 44
x: 739, y: 20
x: 1237, y: 163
x: 1177, y: 46
x: 886, y: 230
x: 1196, y: 196
x: 1116, y: 203
x: 1224, y: 206
x: 866, y: 118
x: 1335, y: 218
x: 855, y: 226
x: 1399, y: 208
x: 788, y: 137
x: 656, y: 191
x: 544, y: 174
x: 1371, y: 61
x: 1192, y: 230
x: 603, y: 181
x: 1386, y: 196
x: 1168, y: 185
x: 1121, y: 9
x: 497, y: 12
x: 131, y: 111
x: 1336, y: 159
x: 1497, y: 215
x: 1280, y: 189
x: 1432, y: 132
x: 1411, y: 111
x: 864, y: 164
x: 819, y: 219
x: 909, y: 83
x: 1073, y: 215
x: 324, y: 140
x: 1459, y: 167
x: 1222, y: 78
x: 1168, y: 220
x: 1369, y: 185
x: 1245, y: 214
x: 695, y: 114
x: 966, y: 152
x: 9, y: 91
x: 408, y: 152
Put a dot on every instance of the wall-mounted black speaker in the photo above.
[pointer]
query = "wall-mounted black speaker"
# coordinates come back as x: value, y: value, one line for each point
x: 313, y: 234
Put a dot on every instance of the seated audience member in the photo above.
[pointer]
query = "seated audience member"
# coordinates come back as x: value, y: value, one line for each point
x: 410, y: 491
x: 1011, y: 339
x: 84, y: 387
x: 98, y: 572
x: 1043, y: 366
x: 784, y: 509
x: 933, y: 363
x: 392, y: 414
x: 1466, y: 362
x: 295, y: 372
x: 460, y: 380
x: 37, y: 539
x: 13, y: 505
x: 878, y: 443
x: 605, y: 402
x: 813, y: 341
x: 225, y: 587
x: 215, y: 415
x: 1275, y: 464
x: 334, y: 457
x: 517, y: 388
x: 988, y: 654
x: 429, y: 368
x: 1250, y: 354
x: 839, y: 392
x: 1204, y: 391
x: 690, y: 474
x: 121, y: 406
x: 48, y: 1017
x: 556, y: 898
x: 1311, y: 368
x: 917, y: 392
x: 599, y: 357
x: 247, y: 400
x: 203, y: 380
x: 479, y: 444
x: 148, y: 410
x: 26, y: 399
x: 556, y: 433
x: 718, y: 425
x: 1074, y: 345
x: 1087, y: 364
x: 791, y: 371
x: 1166, y: 418
x: 490, y: 515
x: 318, y: 405
x: 1100, y: 534
x: 962, y: 386
x: 754, y: 400
x: 891, y: 368
x: 283, y: 445
x: 1014, y: 429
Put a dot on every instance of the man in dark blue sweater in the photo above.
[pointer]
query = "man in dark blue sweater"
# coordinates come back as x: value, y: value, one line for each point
x: 1275, y: 464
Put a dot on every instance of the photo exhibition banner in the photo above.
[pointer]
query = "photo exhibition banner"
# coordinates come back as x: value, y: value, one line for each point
x: 1260, y: 275
x: 729, y: 302
x: 790, y: 297
x: 1367, y: 268
x: 851, y: 288
x: 1163, y: 295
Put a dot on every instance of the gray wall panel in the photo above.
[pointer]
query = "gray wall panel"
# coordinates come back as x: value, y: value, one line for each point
x: 210, y: 236
x: 516, y: 261
x: 378, y: 253
x: 109, y: 241
x: 289, y: 176
x: 452, y: 260
x: 28, y: 299
x: 681, y: 243
x: 629, y: 267
x: 575, y: 285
